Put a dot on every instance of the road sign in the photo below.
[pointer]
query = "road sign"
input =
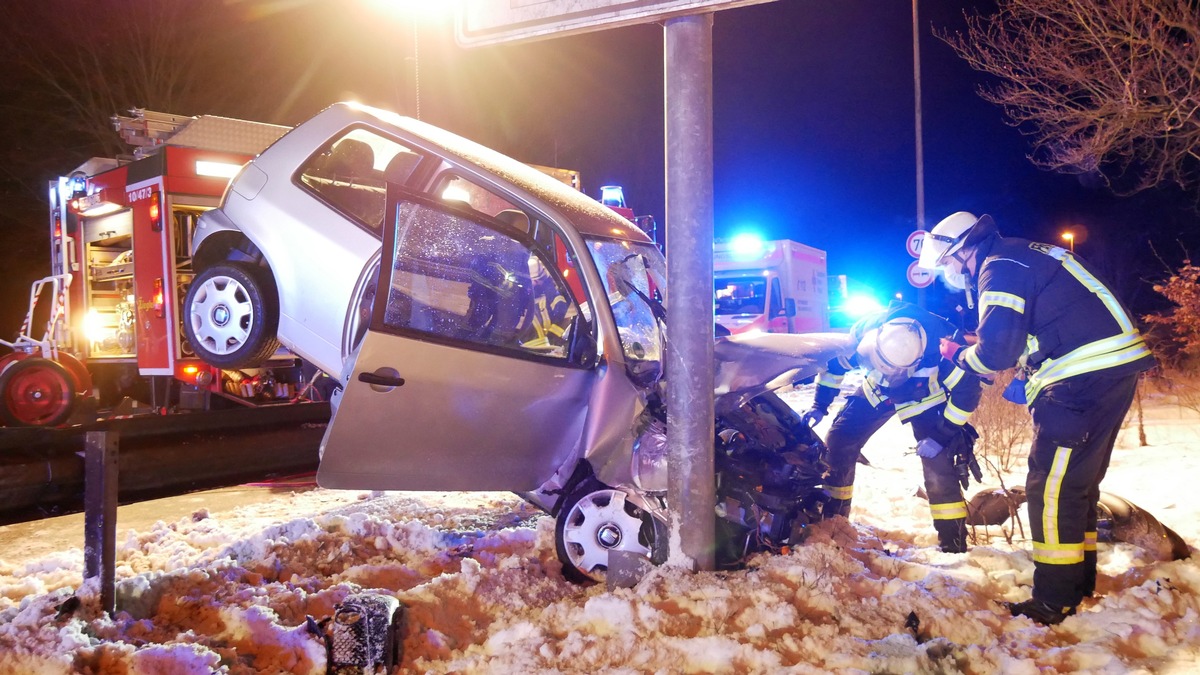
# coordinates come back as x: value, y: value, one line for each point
x: 919, y: 277
x: 486, y: 22
x: 913, y: 245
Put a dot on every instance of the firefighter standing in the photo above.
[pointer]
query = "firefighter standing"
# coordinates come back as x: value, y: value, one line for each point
x: 906, y: 377
x: 1045, y: 310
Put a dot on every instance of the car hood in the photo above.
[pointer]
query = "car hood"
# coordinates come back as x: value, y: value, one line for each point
x: 749, y: 365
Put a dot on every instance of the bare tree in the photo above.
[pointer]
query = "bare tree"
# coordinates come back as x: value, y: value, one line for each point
x: 1104, y: 87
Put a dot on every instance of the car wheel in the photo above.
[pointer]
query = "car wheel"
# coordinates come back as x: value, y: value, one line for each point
x: 595, y: 520
x: 36, y: 392
x: 231, y: 314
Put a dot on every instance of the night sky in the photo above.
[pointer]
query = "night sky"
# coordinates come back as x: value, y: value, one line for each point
x: 813, y: 126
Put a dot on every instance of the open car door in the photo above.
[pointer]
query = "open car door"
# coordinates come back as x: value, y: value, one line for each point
x: 463, y: 380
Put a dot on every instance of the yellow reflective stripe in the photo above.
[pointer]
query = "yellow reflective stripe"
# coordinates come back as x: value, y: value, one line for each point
x: 955, y: 415
x: 1058, y: 554
x: 1031, y: 344
x: 1000, y: 299
x: 828, y: 379
x: 1109, y: 352
x: 871, y: 391
x: 840, y: 492
x: 1058, y: 470
x: 954, y: 377
x: 972, y: 360
x: 1100, y: 290
x: 948, y: 511
x: 907, y: 411
x: 1089, y: 541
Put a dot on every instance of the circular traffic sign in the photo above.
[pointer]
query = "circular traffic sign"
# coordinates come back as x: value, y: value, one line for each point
x: 919, y: 277
x: 913, y: 244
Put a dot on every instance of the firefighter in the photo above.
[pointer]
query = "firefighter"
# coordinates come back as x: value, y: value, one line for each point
x: 1045, y: 311
x: 906, y: 376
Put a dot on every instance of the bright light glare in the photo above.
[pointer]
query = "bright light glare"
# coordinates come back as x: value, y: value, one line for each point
x: 416, y: 9
x: 747, y: 245
x: 858, y: 306
x: 94, y: 327
x: 217, y: 169
x: 454, y: 193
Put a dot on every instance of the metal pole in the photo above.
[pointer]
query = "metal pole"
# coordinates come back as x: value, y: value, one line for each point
x: 916, y: 40
x: 100, y: 515
x: 689, y: 239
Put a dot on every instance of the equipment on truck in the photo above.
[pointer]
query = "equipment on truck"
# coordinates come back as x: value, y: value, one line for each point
x: 104, y: 326
x: 776, y: 286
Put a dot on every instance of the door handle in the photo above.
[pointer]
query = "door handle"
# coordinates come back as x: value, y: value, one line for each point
x: 381, y: 379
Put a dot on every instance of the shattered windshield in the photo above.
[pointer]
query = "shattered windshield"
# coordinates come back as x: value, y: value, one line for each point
x: 635, y: 279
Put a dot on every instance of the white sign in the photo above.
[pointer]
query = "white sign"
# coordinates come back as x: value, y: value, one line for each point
x: 919, y: 277
x: 486, y: 22
x: 913, y: 245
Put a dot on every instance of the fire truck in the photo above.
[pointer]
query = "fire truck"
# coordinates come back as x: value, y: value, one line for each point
x: 777, y: 286
x: 104, y: 328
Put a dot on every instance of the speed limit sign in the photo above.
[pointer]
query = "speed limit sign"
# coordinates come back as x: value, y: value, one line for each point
x: 913, y: 244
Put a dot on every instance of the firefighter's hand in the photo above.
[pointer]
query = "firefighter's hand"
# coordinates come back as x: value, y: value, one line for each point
x: 949, y: 349
x: 813, y: 417
x: 929, y: 448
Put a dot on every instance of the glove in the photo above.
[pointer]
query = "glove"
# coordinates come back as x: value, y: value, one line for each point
x: 813, y: 417
x: 965, y: 463
x: 949, y: 349
x: 929, y: 448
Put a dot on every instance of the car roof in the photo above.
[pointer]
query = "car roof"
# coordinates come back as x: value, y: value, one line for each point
x: 588, y: 216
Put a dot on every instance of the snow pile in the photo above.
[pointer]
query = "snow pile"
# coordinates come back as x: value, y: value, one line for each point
x: 230, y: 592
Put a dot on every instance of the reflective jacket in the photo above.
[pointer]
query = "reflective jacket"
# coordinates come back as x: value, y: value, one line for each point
x: 1042, y: 307
x: 918, y: 399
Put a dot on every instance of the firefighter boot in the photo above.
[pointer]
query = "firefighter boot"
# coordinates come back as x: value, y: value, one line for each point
x: 952, y: 535
x: 1043, y: 613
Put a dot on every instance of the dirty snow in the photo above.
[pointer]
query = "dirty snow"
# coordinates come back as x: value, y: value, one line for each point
x: 229, y: 591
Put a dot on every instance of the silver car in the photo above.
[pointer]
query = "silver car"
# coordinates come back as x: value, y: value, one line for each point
x: 493, y: 329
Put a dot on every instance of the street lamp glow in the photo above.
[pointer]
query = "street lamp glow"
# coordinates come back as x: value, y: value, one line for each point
x: 1069, y: 237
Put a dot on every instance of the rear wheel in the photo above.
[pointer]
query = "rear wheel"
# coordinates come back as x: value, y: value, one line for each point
x: 36, y: 392
x: 231, y: 315
x: 596, y: 520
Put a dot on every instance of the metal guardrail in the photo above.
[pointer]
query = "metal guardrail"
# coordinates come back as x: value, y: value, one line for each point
x: 42, y: 470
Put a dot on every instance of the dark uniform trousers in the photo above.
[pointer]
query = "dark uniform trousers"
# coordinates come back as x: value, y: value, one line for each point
x: 854, y: 425
x: 1075, y: 423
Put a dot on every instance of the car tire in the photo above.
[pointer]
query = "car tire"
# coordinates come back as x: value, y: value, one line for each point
x: 596, y: 519
x: 231, y: 314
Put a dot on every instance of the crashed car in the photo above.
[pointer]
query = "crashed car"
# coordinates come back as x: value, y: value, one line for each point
x: 492, y: 329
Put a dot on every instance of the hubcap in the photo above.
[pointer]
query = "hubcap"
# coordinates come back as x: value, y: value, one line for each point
x: 221, y: 315
x: 598, y: 523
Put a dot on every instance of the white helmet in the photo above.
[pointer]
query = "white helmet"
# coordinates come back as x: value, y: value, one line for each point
x: 894, y: 349
x: 947, y: 238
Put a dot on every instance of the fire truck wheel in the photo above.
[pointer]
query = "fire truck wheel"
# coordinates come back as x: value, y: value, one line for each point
x: 36, y: 392
x: 231, y: 314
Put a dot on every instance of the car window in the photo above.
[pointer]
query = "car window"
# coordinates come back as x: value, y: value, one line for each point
x: 350, y: 174
x: 468, y: 280
x: 462, y: 193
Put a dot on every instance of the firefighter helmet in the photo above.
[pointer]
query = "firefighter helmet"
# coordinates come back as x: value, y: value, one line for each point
x: 949, y: 236
x: 894, y: 349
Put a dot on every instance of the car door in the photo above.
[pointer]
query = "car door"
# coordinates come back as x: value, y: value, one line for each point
x: 454, y: 385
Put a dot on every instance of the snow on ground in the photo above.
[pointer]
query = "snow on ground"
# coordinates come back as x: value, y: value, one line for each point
x: 229, y: 591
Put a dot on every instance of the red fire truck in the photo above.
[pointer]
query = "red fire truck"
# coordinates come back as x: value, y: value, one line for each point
x: 104, y: 327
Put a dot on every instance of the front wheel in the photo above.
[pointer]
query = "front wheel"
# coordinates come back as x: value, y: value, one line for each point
x: 595, y: 520
x: 36, y: 392
x: 231, y: 315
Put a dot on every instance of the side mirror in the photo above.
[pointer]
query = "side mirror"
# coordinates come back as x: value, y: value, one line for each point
x: 789, y: 307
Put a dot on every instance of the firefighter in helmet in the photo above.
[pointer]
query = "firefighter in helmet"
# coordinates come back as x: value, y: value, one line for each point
x: 906, y: 376
x: 1078, y: 354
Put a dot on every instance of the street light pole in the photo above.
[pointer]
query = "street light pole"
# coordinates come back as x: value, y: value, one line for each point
x: 1070, y: 237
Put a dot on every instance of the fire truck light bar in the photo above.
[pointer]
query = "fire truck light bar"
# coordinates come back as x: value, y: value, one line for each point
x: 217, y: 169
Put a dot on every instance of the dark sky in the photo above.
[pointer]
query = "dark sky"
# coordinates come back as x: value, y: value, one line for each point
x: 813, y: 132
x: 813, y: 124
